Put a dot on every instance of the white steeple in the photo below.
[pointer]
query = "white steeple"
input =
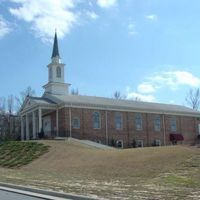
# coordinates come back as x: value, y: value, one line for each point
x: 56, y: 84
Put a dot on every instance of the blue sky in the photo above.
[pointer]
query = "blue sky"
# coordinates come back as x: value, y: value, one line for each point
x: 143, y: 48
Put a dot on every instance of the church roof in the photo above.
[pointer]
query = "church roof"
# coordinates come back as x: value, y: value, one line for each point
x: 40, y: 100
x: 55, y: 52
x: 122, y: 105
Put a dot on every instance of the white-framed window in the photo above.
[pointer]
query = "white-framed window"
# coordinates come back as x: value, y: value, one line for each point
x: 157, y: 123
x: 96, y: 120
x: 139, y: 143
x: 76, y: 122
x: 173, y: 124
x: 138, y: 121
x: 119, y: 143
x: 58, y: 72
x: 118, y: 121
x: 157, y: 142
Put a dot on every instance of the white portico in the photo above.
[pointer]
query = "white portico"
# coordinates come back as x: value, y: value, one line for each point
x: 35, y: 110
x: 32, y: 113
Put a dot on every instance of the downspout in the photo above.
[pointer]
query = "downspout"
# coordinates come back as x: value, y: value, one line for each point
x: 70, y: 122
x: 147, y: 130
x: 164, y: 131
x: 106, y: 118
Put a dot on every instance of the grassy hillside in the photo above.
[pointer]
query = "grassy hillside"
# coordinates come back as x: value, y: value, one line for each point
x: 144, y: 173
x: 16, y: 154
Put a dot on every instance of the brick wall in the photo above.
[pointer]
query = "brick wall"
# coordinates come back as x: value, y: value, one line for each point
x: 187, y: 126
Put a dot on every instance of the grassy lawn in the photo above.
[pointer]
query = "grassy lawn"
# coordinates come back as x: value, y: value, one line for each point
x: 148, y: 173
x: 16, y: 154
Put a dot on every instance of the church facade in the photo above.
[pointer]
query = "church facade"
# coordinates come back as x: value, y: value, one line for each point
x: 121, y: 123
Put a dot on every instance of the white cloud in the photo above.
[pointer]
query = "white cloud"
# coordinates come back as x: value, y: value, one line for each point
x: 169, y: 80
x: 4, y: 27
x: 152, y: 17
x: 106, y: 3
x: 46, y: 15
x: 174, y: 79
x: 146, y: 88
x: 92, y: 14
x: 131, y: 29
x: 132, y: 95
x: 142, y: 97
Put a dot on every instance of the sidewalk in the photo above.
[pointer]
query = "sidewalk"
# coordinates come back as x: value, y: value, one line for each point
x: 42, y: 194
x: 91, y: 143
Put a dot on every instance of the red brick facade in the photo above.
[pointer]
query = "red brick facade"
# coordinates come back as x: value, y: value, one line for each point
x: 107, y: 133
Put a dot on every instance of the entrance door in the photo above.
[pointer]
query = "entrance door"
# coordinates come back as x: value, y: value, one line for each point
x: 47, y: 126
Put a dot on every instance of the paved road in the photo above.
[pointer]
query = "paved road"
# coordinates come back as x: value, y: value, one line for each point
x: 13, y: 196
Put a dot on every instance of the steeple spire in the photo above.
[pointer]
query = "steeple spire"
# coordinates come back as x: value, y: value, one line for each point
x: 55, y: 52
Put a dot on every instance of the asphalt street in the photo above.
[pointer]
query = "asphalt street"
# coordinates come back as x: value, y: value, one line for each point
x: 4, y: 195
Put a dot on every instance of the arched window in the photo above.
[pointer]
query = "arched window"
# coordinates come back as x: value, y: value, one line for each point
x: 138, y: 121
x: 96, y: 120
x: 173, y: 123
x: 118, y: 120
x: 157, y: 123
x: 58, y: 72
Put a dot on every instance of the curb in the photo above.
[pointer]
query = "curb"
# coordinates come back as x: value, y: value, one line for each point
x: 43, y: 194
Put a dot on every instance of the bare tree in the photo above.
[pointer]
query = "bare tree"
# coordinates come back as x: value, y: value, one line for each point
x: 27, y: 92
x: 2, y: 105
x: 74, y: 91
x: 193, y: 98
x: 137, y: 99
x: 117, y: 95
x: 10, y: 104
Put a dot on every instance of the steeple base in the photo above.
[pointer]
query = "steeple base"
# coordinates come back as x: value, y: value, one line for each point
x: 57, y: 88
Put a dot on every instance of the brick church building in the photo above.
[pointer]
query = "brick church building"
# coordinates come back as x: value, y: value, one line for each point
x: 121, y: 123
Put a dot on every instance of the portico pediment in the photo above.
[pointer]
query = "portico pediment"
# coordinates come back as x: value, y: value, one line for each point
x: 28, y: 103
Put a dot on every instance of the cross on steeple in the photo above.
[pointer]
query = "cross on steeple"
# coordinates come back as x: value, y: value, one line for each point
x: 55, y: 52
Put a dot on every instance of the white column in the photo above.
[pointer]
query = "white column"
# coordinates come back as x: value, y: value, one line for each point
x: 70, y: 122
x: 34, y: 125
x: 57, y: 127
x: 40, y: 120
x: 22, y: 128
x: 27, y: 128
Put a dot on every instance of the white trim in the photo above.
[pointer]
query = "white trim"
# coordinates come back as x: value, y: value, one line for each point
x: 35, y: 107
x: 128, y: 109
